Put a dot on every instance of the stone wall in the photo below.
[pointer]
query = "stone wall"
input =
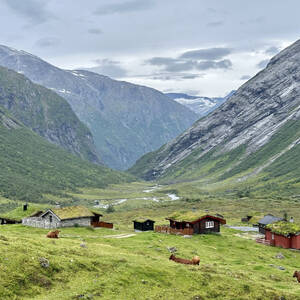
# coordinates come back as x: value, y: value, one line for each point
x: 80, y: 222
x: 45, y: 222
x: 40, y: 222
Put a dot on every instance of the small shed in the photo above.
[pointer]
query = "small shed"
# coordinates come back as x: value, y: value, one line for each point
x: 143, y: 225
x: 267, y: 220
x: 283, y: 234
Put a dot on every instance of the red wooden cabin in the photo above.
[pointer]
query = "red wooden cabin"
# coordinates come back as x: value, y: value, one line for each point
x: 283, y: 234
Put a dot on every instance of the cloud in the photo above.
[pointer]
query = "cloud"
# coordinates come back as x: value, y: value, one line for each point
x: 215, y: 24
x: 95, y: 31
x: 161, y: 61
x: 125, y: 7
x: 272, y: 50
x: 109, y: 68
x: 33, y: 10
x: 245, y: 77
x: 262, y: 64
x: 47, y: 42
x: 210, y: 64
x: 179, y: 65
x: 206, y: 54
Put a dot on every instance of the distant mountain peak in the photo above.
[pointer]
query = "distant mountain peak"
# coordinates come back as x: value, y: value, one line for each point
x: 200, y: 105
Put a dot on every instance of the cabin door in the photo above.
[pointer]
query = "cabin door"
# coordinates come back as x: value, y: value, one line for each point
x: 196, y: 227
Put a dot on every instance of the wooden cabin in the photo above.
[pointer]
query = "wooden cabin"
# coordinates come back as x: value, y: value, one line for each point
x: 267, y: 220
x: 143, y: 225
x: 191, y: 223
x: 283, y: 234
x: 66, y: 217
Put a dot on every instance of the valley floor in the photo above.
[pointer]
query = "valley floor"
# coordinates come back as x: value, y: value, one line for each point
x: 88, y: 263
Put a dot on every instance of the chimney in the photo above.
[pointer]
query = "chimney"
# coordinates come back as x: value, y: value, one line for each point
x: 25, y: 206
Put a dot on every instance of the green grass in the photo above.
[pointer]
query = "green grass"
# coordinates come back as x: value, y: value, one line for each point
x: 31, y: 167
x: 138, y: 267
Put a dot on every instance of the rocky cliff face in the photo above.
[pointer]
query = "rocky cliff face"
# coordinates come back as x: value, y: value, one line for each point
x: 265, y: 109
x: 126, y: 120
x: 46, y: 113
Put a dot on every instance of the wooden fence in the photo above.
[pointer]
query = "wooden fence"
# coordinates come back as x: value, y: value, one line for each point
x: 169, y: 230
x: 102, y: 224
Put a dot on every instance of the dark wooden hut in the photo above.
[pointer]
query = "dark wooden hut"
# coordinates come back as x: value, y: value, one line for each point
x: 143, y: 225
x: 200, y: 225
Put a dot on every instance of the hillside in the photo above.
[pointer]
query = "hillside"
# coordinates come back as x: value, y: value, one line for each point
x: 32, y: 167
x: 126, y: 120
x: 200, y: 105
x: 49, y: 115
x: 255, y: 134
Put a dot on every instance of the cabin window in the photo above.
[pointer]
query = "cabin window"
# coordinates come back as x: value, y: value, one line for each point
x: 272, y: 236
x: 209, y: 224
x: 50, y: 219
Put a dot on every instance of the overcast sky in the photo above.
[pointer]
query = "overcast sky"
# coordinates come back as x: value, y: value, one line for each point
x: 203, y: 47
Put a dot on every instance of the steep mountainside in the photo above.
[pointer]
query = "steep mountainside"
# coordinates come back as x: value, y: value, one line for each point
x: 200, y: 105
x: 255, y: 133
x: 126, y: 120
x: 46, y: 113
x: 32, y: 167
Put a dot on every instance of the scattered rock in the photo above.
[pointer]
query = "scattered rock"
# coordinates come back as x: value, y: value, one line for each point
x: 277, y: 267
x: 144, y: 281
x: 187, y: 236
x: 158, y: 249
x: 279, y: 256
x: 83, y: 245
x: 197, y: 298
x: 172, y: 249
x: 44, y: 262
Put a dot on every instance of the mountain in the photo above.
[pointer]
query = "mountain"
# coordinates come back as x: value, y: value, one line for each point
x: 200, y: 105
x: 255, y: 134
x: 46, y: 113
x: 32, y: 168
x: 126, y: 120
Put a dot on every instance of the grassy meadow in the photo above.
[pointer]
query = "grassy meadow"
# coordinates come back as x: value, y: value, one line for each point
x: 88, y: 263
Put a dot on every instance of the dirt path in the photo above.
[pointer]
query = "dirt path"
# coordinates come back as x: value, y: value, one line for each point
x: 120, y: 236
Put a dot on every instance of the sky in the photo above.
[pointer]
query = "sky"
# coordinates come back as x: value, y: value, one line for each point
x: 199, y: 47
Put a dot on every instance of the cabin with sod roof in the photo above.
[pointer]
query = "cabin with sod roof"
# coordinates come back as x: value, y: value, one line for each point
x: 192, y: 223
x: 65, y: 217
x: 143, y: 225
x: 267, y: 220
x: 283, y: 234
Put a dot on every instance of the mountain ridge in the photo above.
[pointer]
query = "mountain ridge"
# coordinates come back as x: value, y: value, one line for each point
x: 222, y: 144
x: 126, y: 120
x: 45, y: 113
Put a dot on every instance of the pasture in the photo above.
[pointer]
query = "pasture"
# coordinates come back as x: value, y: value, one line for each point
x: 92, y: 264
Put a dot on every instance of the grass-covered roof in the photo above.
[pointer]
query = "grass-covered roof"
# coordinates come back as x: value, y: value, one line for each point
x: 191, y: 216
x: 284, y: 228
x: 72, y: 212
x: 18, y: 213
x: 142, y: 220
